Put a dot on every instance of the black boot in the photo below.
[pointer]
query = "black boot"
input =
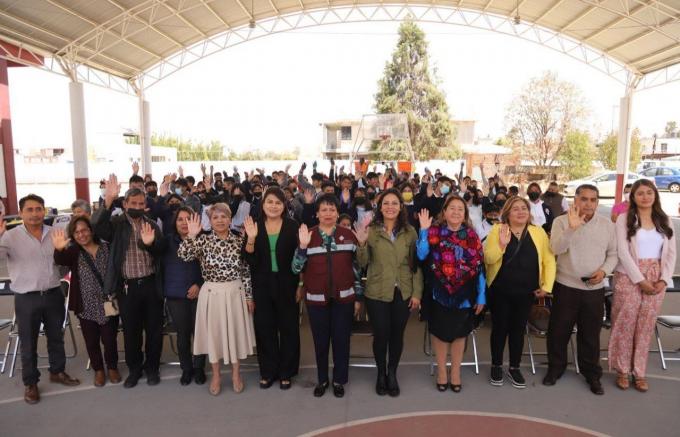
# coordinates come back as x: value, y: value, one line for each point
x: 392, y: 385
x: 381, y: 383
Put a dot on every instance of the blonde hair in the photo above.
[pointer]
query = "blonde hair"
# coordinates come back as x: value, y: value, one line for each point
x: 219, y: 207
x: 505, y: 212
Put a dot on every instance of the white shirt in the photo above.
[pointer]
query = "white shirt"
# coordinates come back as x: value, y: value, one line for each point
x: 537, y: 214
x: 649, y: 243
x: 483, y: 229
x: 475, y: 215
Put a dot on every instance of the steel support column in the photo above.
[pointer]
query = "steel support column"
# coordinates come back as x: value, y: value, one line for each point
x: 79, y: 140
x: 145, y: 134
x: 8, y: 183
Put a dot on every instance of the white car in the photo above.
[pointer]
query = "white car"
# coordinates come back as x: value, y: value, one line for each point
x: 605, y: 183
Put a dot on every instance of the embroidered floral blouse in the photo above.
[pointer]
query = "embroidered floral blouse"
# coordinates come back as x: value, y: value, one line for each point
x: 220, y: 260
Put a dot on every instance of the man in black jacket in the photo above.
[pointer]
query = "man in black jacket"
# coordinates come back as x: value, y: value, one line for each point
x: 133, y: 275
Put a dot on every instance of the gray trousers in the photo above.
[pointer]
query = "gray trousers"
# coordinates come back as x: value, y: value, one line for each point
x: 31, y: 310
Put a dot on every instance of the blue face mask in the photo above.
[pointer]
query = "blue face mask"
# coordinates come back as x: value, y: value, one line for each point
x: 178, y: 191
x: 445, y: 189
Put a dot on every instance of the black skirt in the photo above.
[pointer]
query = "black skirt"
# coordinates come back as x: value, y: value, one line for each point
x: 448, y: 324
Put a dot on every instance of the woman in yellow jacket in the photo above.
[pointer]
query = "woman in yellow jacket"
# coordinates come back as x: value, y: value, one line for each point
x: 520, y: 267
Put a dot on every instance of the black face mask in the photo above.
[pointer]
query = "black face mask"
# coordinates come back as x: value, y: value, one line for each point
x: 152, y: 194
x: 371, y: 196
x: 237, y: 197
x: 549, y: 194
x: 476, y: 201
x: 135, y: 213
x: 500, y: 203
x: 534, y: 195
x: 174, y: 206
x: 491, y: 221
x: 257, y: 195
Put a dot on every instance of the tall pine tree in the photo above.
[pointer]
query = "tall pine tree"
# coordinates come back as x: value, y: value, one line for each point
x: 408, y: 88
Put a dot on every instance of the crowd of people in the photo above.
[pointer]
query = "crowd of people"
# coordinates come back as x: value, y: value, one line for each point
x: 229, y: 258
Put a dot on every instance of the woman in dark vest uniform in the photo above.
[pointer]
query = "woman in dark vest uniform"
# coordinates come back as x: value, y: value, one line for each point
x: 269, y: 250
x: 326, y: 255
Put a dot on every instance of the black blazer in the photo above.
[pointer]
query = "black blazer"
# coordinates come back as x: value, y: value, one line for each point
x: 261, y: 264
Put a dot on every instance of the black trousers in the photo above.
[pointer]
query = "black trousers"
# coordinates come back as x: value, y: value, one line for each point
x: 388, y: 320
x: 331, y: 322
x: 141, y: 310
x: 107, y: 334
x: 509, y: 315
x: 277, y: 331
x: 585, y: 309
x: 183, y: 314
x: 31, y: 310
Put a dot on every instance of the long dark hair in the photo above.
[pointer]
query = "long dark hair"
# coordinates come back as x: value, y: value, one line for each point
x: 72, y: 228
x: 441, y: 220
x: 175, y: 216
x: 279, y: 194
x: 659, y: 217
x: 402, y: 218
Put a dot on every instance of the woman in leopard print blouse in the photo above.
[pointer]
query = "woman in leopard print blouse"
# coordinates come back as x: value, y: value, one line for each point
x: 224, y: 323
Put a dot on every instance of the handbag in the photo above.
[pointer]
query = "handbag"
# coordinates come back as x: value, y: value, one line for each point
x: 111, y: 303
x: 539, y: 316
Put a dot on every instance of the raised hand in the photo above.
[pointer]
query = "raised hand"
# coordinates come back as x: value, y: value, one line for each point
x: 173, y: 177
x: 235, y: 169
x: 194, y: 225
x: 504, y: 236
x: 250, y: 227
x: 287, y: 168
x: 112, y: 188
x: 424, y: 219
x: 309, y: 195
x: 147, y: 233
x: 342, y: 169
x: 165, y: 186
x: 304, y: 236
x: 430, y: 190
x: 180, y: 170
x: 203, y: 168
x: 575, y: 218
x: 59, y: 239
x: 135, y: 167
x: 361, y: 232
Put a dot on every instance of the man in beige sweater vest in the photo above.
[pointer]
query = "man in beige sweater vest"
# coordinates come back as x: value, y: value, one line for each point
x: 585, y: 245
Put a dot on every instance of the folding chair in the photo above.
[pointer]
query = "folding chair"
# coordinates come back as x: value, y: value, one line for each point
x: 536, y: 332
x: 427, y: 349
x: 672, y: 323
x: 361, y: 327
x: 13, y: 341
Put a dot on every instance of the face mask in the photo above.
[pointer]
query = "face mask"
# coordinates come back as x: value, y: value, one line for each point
x: 491, y: 221
x: 174, y: 206
x: 257, y: 195
x: 407, y: 195
x: 445, y: 189
x: 371, y: 196
x: 152, y: 194
x: 500, y: 203
x: 103, y: 192
x: 178, y: 191
x: 135, y: 213
x: 476, y: 201
x: 237, y: 197
x: 533, y: 195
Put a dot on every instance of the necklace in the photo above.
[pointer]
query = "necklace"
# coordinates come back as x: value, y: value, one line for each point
x: 517, y: 234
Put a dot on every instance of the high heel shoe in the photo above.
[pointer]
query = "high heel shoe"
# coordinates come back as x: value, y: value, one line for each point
x: 442, y: 387
x: 238, y: 386
x: 456, y: 388
x: 215, y: 390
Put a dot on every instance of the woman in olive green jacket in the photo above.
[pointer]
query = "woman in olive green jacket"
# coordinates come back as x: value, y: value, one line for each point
x: 394, y: 283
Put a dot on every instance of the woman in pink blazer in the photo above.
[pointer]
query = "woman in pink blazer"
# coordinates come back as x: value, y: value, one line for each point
x: 646, y: 248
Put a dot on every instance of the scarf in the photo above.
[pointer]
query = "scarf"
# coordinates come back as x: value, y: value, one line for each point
x: 456, y: 256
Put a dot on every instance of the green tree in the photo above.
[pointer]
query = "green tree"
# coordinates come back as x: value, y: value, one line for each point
x: 576, y: 156
x: 541, y: 116
x: 671, y: 129
x: 609, y: 148
x: 407, y: 87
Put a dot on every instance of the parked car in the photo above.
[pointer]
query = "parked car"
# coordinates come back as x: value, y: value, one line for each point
x: 672, y: 161
x: 605, y: 183
x: 665, y: 178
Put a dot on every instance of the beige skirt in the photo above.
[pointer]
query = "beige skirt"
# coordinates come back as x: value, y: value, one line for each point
x: 224, y: 327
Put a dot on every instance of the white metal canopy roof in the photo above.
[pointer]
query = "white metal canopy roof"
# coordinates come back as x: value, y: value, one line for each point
x: 135, y: 41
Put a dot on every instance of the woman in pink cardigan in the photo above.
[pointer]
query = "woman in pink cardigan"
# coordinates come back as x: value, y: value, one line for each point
x: 646, y: 248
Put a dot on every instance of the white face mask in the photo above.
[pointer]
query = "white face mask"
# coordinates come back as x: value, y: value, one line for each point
x: 103, y: 192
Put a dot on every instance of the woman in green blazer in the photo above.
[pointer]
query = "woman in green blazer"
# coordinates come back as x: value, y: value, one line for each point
x: 394, y: 283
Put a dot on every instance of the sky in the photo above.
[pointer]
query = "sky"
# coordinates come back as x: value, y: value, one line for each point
x: 273, y: 93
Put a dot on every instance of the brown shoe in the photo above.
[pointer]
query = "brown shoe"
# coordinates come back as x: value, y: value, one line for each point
x: 114, y: 376
x: 31, y: 394
x: 641, y: 384
x: 63, y: 378
x: 622, y: 381
x: 99, y: 378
